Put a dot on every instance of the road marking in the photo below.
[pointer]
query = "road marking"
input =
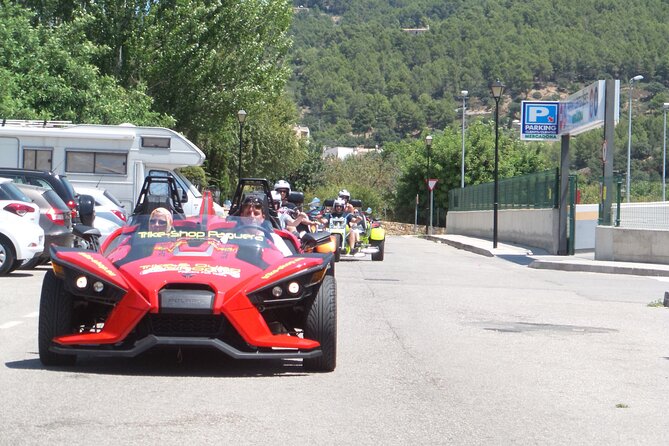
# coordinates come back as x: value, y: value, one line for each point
x: 10, y: 324
x: 33, y: 314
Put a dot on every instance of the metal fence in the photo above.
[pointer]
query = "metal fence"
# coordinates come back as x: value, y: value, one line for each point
x: 645, y: 210
x: 538, y: 190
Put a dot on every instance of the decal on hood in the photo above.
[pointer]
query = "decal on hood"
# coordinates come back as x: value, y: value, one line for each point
x: 188, y: 269
x: 98, y: 263
x: 280, y: 268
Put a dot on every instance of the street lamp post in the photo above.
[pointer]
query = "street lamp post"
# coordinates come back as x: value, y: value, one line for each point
x: 629, y: 136
x: 241, y: 117
x: 464, y: 107
x: 428, y: 144
x: 496, y: 89
x: 665, y: 107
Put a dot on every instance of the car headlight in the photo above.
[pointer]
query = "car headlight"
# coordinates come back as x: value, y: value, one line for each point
x: 287, y: 291
x: 86, y: 285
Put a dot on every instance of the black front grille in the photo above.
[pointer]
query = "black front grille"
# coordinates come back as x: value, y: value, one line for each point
x: 186, y: 324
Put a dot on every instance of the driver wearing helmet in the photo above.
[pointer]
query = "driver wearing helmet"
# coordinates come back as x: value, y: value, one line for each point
x: 283, y: 187
x: 253, y: 213
x: 346, y: 196
x: 338, y: 210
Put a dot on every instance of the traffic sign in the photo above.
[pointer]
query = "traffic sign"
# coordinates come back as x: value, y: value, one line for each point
x: 431, y: 184
x: 539, y: 120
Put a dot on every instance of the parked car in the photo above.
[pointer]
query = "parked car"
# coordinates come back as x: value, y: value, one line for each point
x: 109, y: 212
x: 55, y: 219
x: 21, y: 237
x: 50, y: 180
x: 105, y: 201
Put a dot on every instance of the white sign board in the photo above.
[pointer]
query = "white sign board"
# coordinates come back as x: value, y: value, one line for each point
x: 584, y: 110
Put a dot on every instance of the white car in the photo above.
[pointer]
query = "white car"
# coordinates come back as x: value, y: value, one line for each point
x: 21, y: 236
x: 109, y: 212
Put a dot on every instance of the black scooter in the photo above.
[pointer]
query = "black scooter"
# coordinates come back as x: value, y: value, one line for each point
x: 85, y: 235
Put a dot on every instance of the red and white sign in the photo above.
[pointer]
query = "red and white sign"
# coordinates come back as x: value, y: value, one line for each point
x: 431, y: 183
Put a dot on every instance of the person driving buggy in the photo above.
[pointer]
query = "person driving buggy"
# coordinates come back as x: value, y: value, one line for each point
x: 338, y: 210
x: 253, y: 213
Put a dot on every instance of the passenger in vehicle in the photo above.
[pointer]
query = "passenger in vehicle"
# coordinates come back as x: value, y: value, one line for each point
x: 160, y: 220
x: 283, y: 187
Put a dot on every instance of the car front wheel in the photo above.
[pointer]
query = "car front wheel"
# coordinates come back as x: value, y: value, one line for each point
x: 321, y: 326
x: 55, y: 319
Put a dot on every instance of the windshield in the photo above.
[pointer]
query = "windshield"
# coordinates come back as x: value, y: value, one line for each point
x: 10, y: 192
x: 217, y: 242
x: 68, y: 186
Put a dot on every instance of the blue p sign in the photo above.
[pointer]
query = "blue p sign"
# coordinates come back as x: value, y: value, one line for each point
x: 541, y: 114
x: 539, y: 120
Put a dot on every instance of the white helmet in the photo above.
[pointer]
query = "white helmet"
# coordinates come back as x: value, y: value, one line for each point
x: 338, y: 202
x: 282, y: 184
x: 344, y: 194
x: 276, y: 197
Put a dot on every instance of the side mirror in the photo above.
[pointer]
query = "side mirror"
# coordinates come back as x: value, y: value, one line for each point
x: 86, y: 209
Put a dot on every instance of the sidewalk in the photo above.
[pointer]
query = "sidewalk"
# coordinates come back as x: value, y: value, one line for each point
x: 540, y: 259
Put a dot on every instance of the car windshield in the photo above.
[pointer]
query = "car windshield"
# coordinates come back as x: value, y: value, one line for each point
x: 54, y: 200
x: 9, y: 191
x: 68, y: 186
x: 112, y: 198
x: 219, y: 241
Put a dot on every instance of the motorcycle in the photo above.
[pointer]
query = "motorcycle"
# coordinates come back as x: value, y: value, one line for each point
x: 85, y: 235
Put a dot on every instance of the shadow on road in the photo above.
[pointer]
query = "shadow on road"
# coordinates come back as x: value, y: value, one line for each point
x: 172, y: 362
x: 518, y: 259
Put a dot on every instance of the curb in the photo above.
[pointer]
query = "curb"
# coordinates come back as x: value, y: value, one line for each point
x: 605, y: 267
x: 598, y: 268
x: 458, y: 245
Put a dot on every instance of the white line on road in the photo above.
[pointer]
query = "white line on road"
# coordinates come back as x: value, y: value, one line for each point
x: 33, y: 314
x: 10, y: 324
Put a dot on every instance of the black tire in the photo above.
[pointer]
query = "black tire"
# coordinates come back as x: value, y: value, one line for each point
x: 337, y: 252
x: 7, y: 256
x: 55, y: 319
x: 378, y: 257
x: 321, y: 326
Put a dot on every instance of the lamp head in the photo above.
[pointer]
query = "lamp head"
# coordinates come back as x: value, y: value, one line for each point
x: 241, y: 116
x: 428, y: 140
x: 464, y: 92
x: 636, y: 78
x: 665, y: 106
x: 496, y: 89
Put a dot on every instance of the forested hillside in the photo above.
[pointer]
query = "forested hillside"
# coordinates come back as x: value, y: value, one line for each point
x: 361, y: 78
x: 356, y: 72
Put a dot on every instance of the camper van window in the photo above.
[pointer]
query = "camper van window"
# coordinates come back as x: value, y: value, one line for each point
x: 96, y: 162
x: 38, y: 159
x: 159, y: 142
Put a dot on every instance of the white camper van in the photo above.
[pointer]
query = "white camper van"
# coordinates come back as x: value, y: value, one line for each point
x: 113, y: 157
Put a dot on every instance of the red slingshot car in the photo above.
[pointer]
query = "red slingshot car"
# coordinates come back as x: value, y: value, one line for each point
x: 209, y: 282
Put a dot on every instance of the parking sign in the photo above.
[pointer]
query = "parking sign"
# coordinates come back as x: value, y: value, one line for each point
x: 539, y: 121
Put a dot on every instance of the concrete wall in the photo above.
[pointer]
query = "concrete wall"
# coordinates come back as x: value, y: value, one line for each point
x: 632, y: 245
x: 530, y: 227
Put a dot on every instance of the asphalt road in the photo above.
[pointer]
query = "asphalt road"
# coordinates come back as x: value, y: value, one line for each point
x: 436, y: 346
